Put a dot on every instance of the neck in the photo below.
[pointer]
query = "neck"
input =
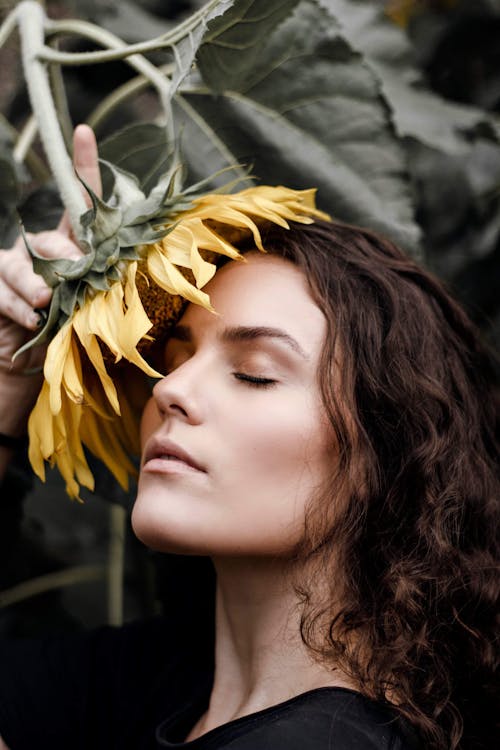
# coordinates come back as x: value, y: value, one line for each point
x: 260, y: 659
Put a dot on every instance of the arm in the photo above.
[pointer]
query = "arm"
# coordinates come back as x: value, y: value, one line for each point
x: 21, y: 293
x: 3, y: 746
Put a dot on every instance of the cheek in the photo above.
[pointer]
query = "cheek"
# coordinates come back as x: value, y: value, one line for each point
x: 150, y: 421
x: 284, y: 451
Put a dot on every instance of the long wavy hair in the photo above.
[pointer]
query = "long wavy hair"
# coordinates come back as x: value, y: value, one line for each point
x: 403, y: 536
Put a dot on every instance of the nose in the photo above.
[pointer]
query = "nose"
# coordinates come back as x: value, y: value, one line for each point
x: 178, y: 394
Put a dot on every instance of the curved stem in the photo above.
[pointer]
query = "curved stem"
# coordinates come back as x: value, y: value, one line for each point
x: 90, y: 58
x: 23, y: 152
x: 31, y: 28
x: 61, y: 102
x: 120, y: 95
x: 25, y: 139
x: 116, y: 564
x: 8, y: 26
x: 107, y: 39
x: 51, y: 581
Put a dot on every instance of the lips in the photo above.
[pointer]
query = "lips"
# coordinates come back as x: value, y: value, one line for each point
x: 166, y: 450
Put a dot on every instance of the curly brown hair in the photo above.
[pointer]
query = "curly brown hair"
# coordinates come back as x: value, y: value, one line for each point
x: 404, y: 536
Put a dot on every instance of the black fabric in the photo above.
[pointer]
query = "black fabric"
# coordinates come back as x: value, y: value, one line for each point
x: 142, y: 687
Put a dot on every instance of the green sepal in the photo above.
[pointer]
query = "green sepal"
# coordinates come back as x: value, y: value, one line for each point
x: 53, y: 270
x: 68, y: 295
x: 126, y: 190
x: 132, y: 236
x: 54, y: 318
x: 97, y: 281
x: 107, y: 254
x: 146, y: 210
x: 129, y: 253
x: 105, y: 220
x: 111, y: 232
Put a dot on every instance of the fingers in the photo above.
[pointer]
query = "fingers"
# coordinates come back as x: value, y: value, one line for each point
x: 53, y: 244
x: 86, y: 157
x: 21, y: 289
x: 86, y: 163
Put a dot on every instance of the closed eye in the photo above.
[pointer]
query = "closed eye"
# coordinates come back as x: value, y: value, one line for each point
x: 254, y: 381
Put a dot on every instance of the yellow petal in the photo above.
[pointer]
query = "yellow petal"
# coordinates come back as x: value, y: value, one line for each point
x: 91, y: 346
x: 135, y: 325
x: 72, y: 415
x: 166, y: 275
x: 105, y: 317
x: 40, y: 432
x: 100, y: 437
x: 55, y: 362
x: 72, y: 376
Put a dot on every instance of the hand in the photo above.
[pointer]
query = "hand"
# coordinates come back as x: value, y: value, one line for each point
x: 22, y: 292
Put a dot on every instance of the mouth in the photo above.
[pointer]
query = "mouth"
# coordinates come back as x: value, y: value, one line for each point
x: 165, y: 457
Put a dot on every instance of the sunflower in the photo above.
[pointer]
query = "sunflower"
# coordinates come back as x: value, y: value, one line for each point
x: 103, y: 315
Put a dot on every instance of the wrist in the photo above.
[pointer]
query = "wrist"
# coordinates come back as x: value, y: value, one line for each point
x: 18, y: 394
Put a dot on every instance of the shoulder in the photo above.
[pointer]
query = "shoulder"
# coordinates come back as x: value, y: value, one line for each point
x: 324, y: 719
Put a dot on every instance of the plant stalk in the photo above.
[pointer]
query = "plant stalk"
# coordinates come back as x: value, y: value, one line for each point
x: 90, y: 58
x: 61, y: 102
x: 121, y: 94
x: 31, y: 20
x: 51, y: 581
x: 22, y: 151
x: 107, y: 39
x: 116, y: 563
x: 8, y: 26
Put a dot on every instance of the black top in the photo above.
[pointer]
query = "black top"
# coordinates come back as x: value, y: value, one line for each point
x: 143, y: 686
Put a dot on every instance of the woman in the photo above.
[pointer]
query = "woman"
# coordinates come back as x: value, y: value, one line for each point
x: 329, y: 441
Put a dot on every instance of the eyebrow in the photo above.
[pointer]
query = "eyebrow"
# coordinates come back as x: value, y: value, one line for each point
x: 244, y: 333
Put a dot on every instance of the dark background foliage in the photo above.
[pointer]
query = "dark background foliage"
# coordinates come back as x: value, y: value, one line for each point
x: 450, y: 147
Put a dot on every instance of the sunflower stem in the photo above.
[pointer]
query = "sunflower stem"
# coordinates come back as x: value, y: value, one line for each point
x: 120, y: 95
x: 31, y: 18
x: 116, y: 563
x: 25, y: 139
x: 109, y: 40
x: 22, y: 151
x: 90, y: 58
x: 50, y: 581
x: 61, y: 101
x: 8, y: 26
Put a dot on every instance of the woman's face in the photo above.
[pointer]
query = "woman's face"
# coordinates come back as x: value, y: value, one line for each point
x: 235, y: 440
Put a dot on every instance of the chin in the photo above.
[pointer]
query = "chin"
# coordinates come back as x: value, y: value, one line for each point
x: 172, y: 527
x: 158, y: 533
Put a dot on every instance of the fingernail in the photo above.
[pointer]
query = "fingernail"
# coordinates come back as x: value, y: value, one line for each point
x: 41, y: 295
x: 39, y: 317
x: 33, y: 320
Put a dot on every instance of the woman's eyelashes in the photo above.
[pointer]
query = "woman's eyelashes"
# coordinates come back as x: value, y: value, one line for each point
x: 254, y: 381
x: 234, y: 368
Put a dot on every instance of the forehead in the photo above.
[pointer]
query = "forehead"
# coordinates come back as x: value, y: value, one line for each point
x: 262, y: 290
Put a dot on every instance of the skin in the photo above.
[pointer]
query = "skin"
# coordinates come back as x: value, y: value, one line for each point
x: 264, y: 445
x: 264, y: 448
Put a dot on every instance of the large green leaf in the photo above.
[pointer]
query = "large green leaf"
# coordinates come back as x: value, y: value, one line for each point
x: 185, y: 51
x: 302, y: 107
x: 127, y: 19
x: 416, y: 110
x: 142, y: 149
x: 233, y: 42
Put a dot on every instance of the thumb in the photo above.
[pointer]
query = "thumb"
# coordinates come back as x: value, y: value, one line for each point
x: 86, y: 163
